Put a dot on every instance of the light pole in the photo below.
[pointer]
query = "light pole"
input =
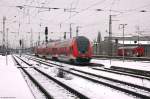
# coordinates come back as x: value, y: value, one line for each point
x: 110, y: 36
x: 4, y: 20
x: 39, y: 35
x: 7, y: 46
x: 123, y: 26
x: 110, y: 45
x: 71, y: 30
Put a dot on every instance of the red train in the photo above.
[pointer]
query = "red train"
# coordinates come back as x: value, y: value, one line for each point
x: 131, y: 51
x: 75, y: 50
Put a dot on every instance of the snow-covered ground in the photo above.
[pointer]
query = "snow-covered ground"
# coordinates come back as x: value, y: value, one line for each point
x: 88, y: 88
x: 12, y: 83
x: 140, y: 65
x: 80, y: 83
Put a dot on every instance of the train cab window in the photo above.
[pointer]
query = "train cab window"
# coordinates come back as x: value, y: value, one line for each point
x: 82, y: 44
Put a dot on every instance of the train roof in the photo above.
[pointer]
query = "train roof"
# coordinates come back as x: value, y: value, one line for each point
x: 62, y: 42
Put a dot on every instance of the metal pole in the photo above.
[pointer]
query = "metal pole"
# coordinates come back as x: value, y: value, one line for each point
x: 31, y: 42
x: 110, y: 36
x: 138, y: 34
x: 4, y: 19
x: 96, y: 47
x: 110, y: 44
x: 7, y: 39
x: 39, y: 35
x: 7, y: 47
x: 123, y: 26
x: 70, y: 31
x: 123, y: 43
x: 39, y: 39
x: 77, y: 30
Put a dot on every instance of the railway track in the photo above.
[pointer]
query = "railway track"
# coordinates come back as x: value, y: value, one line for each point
x: 120, y: 57
x: 117, y: 70
x: 131, y: 71
x: 121, y: 73
x: 121, y: 70
x: 135, y: 90
x: 38, y: 77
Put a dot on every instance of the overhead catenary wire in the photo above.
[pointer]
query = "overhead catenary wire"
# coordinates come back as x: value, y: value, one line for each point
x: 39, y: 6
x: 85, y: 9
x: 97, y: 3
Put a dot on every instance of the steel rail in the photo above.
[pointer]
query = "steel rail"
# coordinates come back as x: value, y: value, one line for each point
x: 73, y: 91
x: 115, y: 87
x: 47, y: 95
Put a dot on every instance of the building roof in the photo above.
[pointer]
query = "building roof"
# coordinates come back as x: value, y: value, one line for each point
x: 132, y: 38
x: 128, y: 47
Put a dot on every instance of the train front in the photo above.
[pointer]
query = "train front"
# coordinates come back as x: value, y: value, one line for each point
x: 84, y: 50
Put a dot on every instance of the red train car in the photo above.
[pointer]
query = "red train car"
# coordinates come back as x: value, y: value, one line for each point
x: 75, y: 50
x: 131, y: 51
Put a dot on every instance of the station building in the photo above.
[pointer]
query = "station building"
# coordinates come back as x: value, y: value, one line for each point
x: 110, y: 48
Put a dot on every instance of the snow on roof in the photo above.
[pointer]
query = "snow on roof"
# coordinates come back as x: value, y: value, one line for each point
x: 133, y: 42
x: 128, y: 47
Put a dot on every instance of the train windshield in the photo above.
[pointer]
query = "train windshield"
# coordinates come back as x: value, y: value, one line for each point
x: 82, y: 44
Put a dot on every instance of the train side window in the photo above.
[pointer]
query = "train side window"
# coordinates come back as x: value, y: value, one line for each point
x: 53, y: 50
x: 65, y: 50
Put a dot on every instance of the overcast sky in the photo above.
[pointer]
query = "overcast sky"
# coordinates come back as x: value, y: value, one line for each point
x: 31, y: 13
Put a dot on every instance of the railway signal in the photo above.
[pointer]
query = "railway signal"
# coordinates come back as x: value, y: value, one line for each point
x: 20, y: 42
x: 65, y: 35
x: 46, y: 34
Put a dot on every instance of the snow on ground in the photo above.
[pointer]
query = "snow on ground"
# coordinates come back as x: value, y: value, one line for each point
x: 140, y: 65
x: 12, y: 83
x: 97, y: 91
x: 133, y: 80
x: 127, y: 64
x: 88, y: 88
